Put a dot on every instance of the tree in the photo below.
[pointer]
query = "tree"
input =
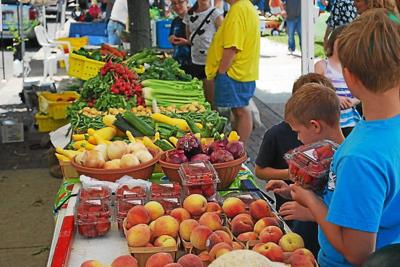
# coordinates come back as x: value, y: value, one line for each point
x: 139, y: 25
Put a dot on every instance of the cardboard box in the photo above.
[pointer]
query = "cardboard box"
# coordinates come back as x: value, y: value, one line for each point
x: 11, y: 133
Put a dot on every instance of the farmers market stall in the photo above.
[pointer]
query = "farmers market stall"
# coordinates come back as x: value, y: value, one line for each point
x: 149, y: 168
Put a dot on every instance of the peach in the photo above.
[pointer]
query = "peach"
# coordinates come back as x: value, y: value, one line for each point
x: 190, y: 260
x: 91, y: 263
x: 264, y: 222
x: 271, y: 234
x: 214, y: 207
x: 195, y: 204
x: 218, y: 236
x: 149, y: 245
x: 219, y: 250
x: 241, y: 216
x: 173, y: 265
x: 233, y: 206
x: 237, y: 245
x: 155, y: 209
x: 137, y: 215
x: 124, y: 261
x: 166, y: 225
x: 244, y: 237
x: 302, y: 257
x: 270, y: 250
x: 186, y: 227
x: 212, y: 220
x: 241, y: 224
x: 165, y: 241
x: 139, y: 235
x: 291, y: 241
x: 199, y: 236
x: 259, y: 209
x: 159, y: 260
x: 180, y: 214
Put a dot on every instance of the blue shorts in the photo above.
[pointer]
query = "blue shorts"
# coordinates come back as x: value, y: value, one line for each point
x: 231, y: 93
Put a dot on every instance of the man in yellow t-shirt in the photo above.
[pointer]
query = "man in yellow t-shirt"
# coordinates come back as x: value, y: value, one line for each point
x: 232, y: 61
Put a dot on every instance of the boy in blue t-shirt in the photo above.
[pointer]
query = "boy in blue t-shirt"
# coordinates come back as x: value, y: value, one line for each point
x: 360, y: 211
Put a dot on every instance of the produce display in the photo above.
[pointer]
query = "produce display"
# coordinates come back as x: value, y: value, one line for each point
x: 106, y: 53
x: 199, y: 177
x: 154, y: 65
x: 309, y: 164
x: 189, y: 148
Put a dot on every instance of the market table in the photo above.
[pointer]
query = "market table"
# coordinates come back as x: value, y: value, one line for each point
x: 70, y: 249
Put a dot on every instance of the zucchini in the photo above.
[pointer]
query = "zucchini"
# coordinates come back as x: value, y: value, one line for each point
x: 138, y: 124
x: 193, y: 127
x: 124, y: 126
x: 163, y: 144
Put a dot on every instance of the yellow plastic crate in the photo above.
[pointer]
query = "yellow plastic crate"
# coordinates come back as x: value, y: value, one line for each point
x: 48, y: 124
x: 55, y: 105
x: 75, y: 42
x: 82, y: 67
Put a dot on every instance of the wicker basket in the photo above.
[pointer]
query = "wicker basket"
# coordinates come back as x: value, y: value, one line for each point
x: 142, y: 171
x: 82, y: 67
x: 142, y: 254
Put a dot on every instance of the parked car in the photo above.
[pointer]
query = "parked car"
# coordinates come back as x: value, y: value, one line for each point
x: 10, y: 18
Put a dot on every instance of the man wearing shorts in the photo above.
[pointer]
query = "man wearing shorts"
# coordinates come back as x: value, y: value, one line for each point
x: 233, y: 60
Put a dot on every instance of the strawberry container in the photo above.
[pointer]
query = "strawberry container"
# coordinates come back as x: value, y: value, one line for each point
x: 309, y: 164
x: 168, y: 195
x: 89, y: 193
x: 93, y: 217
x: 199, y: 178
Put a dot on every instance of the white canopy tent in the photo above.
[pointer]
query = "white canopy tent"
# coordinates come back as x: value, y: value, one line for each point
x: 309, y: 15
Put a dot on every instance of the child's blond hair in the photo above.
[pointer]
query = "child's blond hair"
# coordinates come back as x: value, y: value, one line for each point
x: 390, y: 5
x: 369, y: 48
x: 313, y: 102
x: 311, y: 77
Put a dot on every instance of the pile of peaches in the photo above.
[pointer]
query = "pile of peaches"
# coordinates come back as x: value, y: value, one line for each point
x: 200, y: 226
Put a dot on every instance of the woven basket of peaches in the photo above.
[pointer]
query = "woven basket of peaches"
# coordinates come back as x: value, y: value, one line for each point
x: 226, y: 156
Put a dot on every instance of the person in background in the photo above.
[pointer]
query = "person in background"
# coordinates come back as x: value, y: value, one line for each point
x: 271, y: 165
x: 233, y: 62
x: 177, y: 35
x: 342, y: 13
x: 117, y: 22
x: 94, y: 11
x: 291, y: 12
x: 332, y: 69
x: 109, y: 6
x: 275, y: 7
x: 260, y: 4
x: 202, y: 21
x: 359, y: 213
x: 364, y: 5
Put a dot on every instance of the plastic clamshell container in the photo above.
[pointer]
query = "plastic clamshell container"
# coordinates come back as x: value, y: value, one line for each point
x: 90, y: 193
x: 199, y: 178
x: 131, y: 192
x: 93, y: 217
x: 309, y: 164
x: 165, y: 190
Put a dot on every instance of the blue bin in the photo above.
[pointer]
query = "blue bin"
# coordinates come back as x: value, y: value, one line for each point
x: 162, y: 31
x: 88, y: 28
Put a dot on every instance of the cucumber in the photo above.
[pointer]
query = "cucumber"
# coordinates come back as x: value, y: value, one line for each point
x: 124, y: 126
x: 138, y: 124
x: 163, y: 144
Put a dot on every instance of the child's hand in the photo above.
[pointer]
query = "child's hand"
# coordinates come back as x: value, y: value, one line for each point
x: 294, y: 211
x: 345, y: 102
x: 279, y: 187
x: 303, y: 196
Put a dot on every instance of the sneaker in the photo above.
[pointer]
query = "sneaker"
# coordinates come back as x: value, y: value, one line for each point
x: 290, y: 53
